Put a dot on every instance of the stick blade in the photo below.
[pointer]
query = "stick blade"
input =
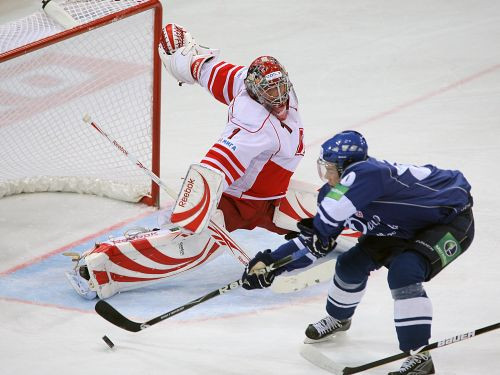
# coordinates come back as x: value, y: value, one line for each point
x: 113, y: 316
x: 314, y: 356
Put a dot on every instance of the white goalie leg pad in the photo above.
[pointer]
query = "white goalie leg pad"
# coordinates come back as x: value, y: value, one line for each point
x: 125, y: 263
x: 216, y: 228
x: 198, y: 198
x: 300, y: 202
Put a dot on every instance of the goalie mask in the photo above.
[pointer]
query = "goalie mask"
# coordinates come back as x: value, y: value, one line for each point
x: 267, y: 83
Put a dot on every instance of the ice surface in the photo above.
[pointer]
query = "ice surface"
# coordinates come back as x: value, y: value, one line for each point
x: 421, y: 80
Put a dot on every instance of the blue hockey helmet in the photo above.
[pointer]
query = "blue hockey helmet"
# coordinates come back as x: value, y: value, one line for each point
x: 343, y: 149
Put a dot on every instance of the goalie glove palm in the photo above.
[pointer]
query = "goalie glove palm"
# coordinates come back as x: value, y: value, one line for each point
x: 252, y: 278
x: 310, y: 238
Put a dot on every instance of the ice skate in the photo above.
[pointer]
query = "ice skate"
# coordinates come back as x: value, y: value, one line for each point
x: 78, y: 278
x: 418, y: 364
x: 325, y: 328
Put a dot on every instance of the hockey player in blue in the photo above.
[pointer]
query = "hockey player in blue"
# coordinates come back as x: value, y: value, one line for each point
x: 414, y: 220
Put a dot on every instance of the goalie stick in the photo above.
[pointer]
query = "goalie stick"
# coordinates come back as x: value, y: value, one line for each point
x: 57, y: 13
x: 317, y: 358
x: 113, y: 316
x: 218, y: 233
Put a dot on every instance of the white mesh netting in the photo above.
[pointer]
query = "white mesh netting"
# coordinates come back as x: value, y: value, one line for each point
x: 106, y: 72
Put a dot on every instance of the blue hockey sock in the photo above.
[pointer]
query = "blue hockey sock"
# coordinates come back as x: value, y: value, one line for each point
x: 412, y: 307
x: 348, y: 285
x: 343, y: 298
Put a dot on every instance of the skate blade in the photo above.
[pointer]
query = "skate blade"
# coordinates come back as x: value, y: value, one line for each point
x: 307, y: 340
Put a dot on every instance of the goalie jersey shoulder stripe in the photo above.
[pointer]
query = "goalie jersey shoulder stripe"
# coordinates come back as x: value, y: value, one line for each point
x: 223, y: 159
x: 223, y: 80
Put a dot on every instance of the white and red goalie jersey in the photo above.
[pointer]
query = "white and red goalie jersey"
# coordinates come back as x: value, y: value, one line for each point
x: 260, y: 147
x: 256, y: 152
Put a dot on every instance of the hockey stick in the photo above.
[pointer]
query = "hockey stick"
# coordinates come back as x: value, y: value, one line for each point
x: 113, y: 316
x: 313, y: 275
x: 57, y: 13
x: 320, y: 271
x: 317, y: 358
x: 219, y: 234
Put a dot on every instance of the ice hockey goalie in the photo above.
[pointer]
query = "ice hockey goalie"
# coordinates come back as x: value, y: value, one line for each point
x: 246, y: 174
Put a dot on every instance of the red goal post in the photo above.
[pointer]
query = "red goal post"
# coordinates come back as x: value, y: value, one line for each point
x: 108, y: 67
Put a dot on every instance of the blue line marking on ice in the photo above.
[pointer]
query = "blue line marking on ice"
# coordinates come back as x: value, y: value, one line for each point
x: 44, y: 283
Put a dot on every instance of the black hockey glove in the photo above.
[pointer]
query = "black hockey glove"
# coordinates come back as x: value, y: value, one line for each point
x: 291, y: 235
x: 312, y: 241
x: 253, y: 280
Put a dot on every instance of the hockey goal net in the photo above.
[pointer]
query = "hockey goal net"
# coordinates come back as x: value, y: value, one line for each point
x: 50, y: 77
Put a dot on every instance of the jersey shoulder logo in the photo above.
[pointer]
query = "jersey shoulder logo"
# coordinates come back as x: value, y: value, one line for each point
x: 337, y: 192
x: 348, y: 179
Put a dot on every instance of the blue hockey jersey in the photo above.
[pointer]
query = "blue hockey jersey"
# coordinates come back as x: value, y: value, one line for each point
x: 379, y: 198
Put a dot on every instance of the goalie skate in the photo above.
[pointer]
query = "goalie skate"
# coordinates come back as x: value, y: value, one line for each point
x: 80, y: 285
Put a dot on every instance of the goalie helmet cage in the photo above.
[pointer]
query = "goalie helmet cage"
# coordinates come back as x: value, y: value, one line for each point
x: 107, y: 66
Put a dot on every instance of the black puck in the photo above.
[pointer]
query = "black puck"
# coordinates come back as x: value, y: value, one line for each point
x: 108, y: 341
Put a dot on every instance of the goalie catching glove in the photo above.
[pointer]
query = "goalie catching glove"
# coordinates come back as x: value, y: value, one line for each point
x: 315, y: 244
x: 181, y: 55
x: 255, y: 276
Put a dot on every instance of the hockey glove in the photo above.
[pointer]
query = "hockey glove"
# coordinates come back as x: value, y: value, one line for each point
x: 309, y: 237
x: 291, y: 235
x: 251, y: 278
x: 181, y: 55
